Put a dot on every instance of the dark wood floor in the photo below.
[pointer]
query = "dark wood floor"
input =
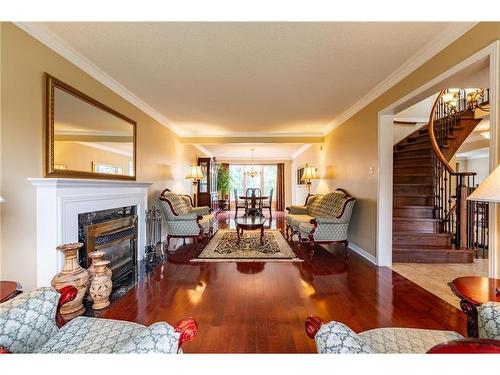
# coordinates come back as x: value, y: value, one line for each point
x: 261, y: 307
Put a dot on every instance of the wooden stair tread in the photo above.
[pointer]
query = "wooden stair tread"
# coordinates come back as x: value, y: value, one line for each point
x: 410, y: 184
x: 422, y: 234
x: 423, y: 248
x: 407, y: 166
x: 403, y: 218
x: 412, y: 158
x: 413, y: 149
x: 414, y: 195
x: 414, y: 174
x: 413, y: 207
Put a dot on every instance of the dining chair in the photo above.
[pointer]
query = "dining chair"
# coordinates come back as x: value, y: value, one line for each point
x: 238, y: 203
x: 257, y: 200
x: 269, y: 203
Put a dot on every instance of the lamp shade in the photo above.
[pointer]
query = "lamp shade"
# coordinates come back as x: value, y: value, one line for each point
x: 195, y: 173
x: 2, y: 200
x: 489, y: 189
x: 310, y: 173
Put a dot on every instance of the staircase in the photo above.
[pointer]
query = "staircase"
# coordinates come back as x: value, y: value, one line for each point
x: 419, y: 231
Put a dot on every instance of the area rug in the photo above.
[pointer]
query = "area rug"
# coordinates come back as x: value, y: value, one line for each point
x: 224, y: 248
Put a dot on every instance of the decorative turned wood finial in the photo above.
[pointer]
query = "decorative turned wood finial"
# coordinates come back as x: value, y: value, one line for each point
x: 313, y: 324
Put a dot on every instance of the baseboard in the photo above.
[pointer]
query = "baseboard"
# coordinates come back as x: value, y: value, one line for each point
x: 365, y: 254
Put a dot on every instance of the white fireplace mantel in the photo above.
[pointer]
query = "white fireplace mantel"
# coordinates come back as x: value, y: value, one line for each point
x: 59, y: 201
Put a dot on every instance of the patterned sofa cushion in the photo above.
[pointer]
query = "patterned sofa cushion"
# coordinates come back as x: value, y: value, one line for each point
x: 92, y: 335
x: 177, y: 201
x: 330, y: 204
x: 406, y: 340
x: 295, y: 220
x: 489, y: 320
x: 337, y: 338
x: 28, y: 320
x: 158, y: 338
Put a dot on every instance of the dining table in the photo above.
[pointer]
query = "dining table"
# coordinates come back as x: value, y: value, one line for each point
x: 253, y: 210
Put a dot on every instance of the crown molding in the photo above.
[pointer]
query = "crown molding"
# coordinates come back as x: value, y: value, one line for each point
x: 300, y: 151
x: 444, y: 39
x: 38, y: 31
x: 204, y: 150
x: 249, y: 159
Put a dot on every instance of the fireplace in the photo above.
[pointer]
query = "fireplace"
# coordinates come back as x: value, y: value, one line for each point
x: 114, y: 232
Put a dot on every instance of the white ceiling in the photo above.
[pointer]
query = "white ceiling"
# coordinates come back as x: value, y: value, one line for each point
x: 263, y: 151
x: 248, y: 78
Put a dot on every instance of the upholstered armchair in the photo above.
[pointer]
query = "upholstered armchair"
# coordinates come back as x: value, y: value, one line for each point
x: 183, y: 220
x: 337, y: 338
x: 32, y: 323
x: 323, y: 219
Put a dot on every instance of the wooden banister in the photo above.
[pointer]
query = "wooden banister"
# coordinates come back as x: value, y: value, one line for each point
x: 432, y: 136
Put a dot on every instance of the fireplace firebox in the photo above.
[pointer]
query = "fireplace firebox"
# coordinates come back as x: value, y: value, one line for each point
x: 114, y: 232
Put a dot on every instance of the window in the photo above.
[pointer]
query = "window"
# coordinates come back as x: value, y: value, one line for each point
x: 265, y: 180
x: 269, y: 176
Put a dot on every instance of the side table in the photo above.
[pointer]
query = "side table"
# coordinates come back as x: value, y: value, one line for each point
x: 9, y: 289
x: 473, y: 291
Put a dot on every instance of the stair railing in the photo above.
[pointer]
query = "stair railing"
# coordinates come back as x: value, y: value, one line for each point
x: 449, y: 188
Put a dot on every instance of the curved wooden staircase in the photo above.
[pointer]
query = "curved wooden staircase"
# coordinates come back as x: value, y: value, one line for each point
x: 418, y: 233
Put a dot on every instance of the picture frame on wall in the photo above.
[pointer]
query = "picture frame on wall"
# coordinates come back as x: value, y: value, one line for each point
x: 300, y: 173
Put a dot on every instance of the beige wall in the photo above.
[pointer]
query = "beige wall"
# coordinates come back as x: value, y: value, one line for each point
x: 479, y: 165
x: 161, y: 158
x: 288, y: 181
x: 351, y: 149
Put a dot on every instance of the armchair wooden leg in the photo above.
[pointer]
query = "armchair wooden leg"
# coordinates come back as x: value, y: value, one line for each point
x: 236, y: 213
x: 311, y: 245
x: 167, y: 244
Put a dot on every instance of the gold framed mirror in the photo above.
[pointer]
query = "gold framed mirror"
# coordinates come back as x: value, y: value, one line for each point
x: 85, y: 138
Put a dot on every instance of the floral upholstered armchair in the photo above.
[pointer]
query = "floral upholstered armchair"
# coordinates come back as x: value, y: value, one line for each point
x: 31, y: 323
x: 323, y: 219
x: 183, y: 220
x: 337, y: 338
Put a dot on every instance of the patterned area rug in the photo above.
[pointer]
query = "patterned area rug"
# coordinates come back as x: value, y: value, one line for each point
x: 224, y: 248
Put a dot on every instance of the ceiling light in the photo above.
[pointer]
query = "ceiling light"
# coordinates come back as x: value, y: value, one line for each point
x: 460, y: 100
x: 252, y: 172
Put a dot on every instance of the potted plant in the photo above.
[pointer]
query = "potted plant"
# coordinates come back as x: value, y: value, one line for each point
x: 223, y: 186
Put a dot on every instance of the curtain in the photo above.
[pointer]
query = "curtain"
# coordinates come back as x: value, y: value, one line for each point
x: 226, y: 167
x: 280, y: 188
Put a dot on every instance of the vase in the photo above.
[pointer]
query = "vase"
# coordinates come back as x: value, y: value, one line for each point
x: 101, y: 285
x: 72, y: 274
x: 95, y: 256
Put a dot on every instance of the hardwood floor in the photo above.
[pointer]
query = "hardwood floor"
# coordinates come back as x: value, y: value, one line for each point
x: 261, y: 307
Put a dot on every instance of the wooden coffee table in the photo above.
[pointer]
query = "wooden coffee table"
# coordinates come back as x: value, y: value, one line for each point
x: 473, y: 291
x: 250, y: 223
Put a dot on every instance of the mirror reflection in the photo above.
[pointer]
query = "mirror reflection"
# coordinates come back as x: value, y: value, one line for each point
x: 88, y: 139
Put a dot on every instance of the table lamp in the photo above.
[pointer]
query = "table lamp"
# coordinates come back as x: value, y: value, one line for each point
x: 2, y: 200
x: 488, y: 191
x: 310, y: 173
x: 196, y: 174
